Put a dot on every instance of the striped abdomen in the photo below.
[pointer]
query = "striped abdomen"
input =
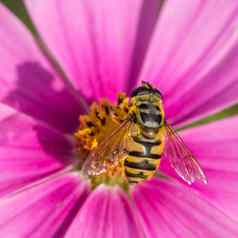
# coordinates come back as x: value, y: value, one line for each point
x: 143, y: 157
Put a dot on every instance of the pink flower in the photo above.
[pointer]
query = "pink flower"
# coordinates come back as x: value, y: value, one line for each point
x: 188, y: 49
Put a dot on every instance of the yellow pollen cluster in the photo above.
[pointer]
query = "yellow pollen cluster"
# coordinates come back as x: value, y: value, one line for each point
x: 100, y: 122
x: 96, y: 127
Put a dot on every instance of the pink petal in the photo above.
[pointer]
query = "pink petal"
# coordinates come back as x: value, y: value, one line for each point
x: 29, y: 150
x: 93, y: 40
x: 169, y: 209
x: 149, y: 14
x: 215, y: 147
x: 28, y: 83
x: 45, y: 210
x: 193, y: 57
x: 107, y: 213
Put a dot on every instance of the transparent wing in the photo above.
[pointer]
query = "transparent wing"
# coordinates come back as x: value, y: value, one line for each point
x: 182, y: 159
x: 108, y: 152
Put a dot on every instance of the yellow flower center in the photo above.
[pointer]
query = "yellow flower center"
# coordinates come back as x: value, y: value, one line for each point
x: 94, y: 136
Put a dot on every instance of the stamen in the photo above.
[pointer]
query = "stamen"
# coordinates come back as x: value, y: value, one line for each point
x: 95, y: 129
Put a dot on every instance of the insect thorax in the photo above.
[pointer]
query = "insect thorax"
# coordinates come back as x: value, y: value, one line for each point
x: 148, y: 110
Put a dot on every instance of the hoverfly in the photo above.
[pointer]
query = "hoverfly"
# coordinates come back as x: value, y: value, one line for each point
x: 139, y: 140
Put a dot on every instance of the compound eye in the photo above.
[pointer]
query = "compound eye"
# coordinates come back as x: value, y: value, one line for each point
x: 140, y: 91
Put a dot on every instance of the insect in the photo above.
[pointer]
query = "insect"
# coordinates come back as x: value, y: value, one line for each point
x: 135, y: 145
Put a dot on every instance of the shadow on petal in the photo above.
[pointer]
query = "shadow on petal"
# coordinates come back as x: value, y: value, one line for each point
x: 29, y: 150
x: 37, y: 93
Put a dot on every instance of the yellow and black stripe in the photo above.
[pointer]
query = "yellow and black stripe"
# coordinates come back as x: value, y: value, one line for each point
x: 141, y: 165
